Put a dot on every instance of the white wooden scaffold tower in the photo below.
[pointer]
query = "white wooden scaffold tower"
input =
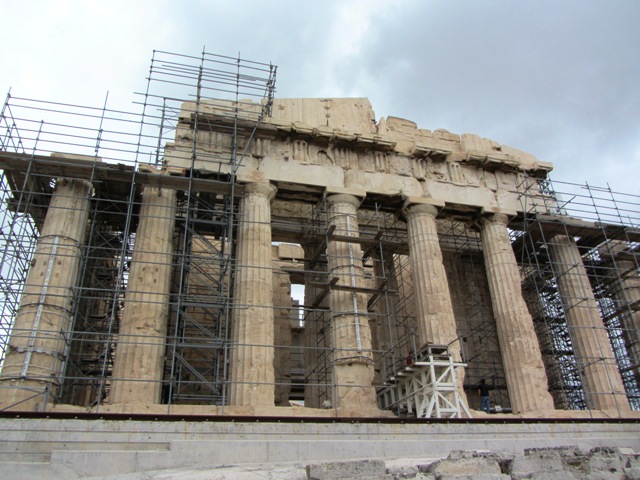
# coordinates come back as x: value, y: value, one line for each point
x: 427, y: 388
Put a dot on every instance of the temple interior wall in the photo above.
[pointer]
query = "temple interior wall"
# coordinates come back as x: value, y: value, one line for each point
x: 476, y: 325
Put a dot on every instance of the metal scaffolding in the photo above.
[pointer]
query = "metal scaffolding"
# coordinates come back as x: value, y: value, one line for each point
x: 127, y: 151
x: 383, y: 250
x: 604, y: 226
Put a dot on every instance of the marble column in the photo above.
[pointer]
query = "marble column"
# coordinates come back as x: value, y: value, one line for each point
x: 353, y: 368
x: 626, y: 294
x: 139, y: 358
x: 524, y: 369
x: 252, y: 372
x: 602, y: 383
x: 436, y: 320
x: 37, y: 348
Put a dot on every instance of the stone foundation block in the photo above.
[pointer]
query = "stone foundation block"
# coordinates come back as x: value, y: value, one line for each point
x: 606, y: 460
x: 401, y: 471
x: 633, y: 459
x: 467, y: 467
x: 536, y: 461
x: 632, y: 473
x: 554, y: 476
x: 370, y: 469
x: 486, y: 476
x: 367, y: 477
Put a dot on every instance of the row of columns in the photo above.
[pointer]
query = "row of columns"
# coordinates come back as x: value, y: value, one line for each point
x: 352, y: 361
x: 36, y: 347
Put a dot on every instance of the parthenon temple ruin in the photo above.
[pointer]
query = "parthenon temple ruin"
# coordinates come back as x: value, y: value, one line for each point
x: 244, y: 254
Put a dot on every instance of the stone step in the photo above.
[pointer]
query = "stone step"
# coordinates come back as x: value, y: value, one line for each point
x: 46, y: 447
x: 24, y: 458
x: 31, y: 471
x: 362, y: 469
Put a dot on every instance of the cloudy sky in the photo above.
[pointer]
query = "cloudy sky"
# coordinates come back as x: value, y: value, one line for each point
x: 557, y: 78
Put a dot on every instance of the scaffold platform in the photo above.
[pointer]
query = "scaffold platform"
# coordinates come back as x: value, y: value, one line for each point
x: 427, y: 388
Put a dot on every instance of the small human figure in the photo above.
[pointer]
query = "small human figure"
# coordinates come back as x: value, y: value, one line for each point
x: 409, y: 360
x: 483, y: 390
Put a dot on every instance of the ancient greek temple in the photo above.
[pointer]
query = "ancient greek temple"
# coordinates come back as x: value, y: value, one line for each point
x: 264, y: 256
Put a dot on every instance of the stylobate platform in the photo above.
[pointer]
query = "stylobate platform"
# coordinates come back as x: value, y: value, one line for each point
x: 79, y: 446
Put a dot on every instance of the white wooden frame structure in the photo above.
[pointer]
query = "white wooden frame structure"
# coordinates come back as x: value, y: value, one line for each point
x: 427, y: 388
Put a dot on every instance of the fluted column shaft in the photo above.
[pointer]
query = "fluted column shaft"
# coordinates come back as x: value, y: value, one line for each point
x: 139, y: 358
x: 252, y: 373
x: 436, y: 320
x: 628, y: 296
x: 601, y: 380
x: 524, y: 369
x: 352, y: 357
x: 38, y: 344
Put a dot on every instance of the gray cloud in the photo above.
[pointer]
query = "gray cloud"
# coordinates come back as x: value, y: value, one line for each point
x: 558, y: 79
x: 555, y: 78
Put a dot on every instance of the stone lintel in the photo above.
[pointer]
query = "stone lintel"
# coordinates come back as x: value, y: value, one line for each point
x: 410, y: 200
x: 75, y: 156
x: 290, y: 251
x: 498, y: 211
x: 567, y: 220
x: 544, y: 166
x: 161, y: 170
x: 356, y: 192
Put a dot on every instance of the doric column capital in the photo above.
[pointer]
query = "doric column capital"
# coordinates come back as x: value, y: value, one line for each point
x: 417, y: 208
x: 345, y: 198
x: 500, y: 218
x: 562, y: 239
x: 615, y: 248
x: 415, y: 205
x: 263, y: 189
x: 353, y: 196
